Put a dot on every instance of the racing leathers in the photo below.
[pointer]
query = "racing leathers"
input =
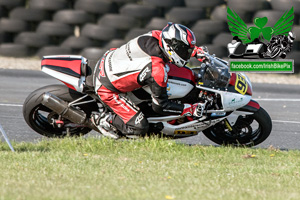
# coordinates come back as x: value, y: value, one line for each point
x: 138, y: 63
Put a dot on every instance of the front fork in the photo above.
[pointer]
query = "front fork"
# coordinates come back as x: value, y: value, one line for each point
x: 227, y: 124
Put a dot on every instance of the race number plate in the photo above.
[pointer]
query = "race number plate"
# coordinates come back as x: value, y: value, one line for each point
x: 241, y: 84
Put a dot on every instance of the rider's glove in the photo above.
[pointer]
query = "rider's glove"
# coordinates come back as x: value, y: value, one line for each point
x: 199, y: 53
x: 195, y: 110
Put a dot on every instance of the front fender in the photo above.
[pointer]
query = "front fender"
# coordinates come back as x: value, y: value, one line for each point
x: 252, y: 106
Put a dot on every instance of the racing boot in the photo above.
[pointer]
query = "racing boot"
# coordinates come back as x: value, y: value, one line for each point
x: 200, y: 109
x: 103, y: 123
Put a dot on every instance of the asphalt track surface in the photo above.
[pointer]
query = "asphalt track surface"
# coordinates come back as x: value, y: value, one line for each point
x: 282, y: 102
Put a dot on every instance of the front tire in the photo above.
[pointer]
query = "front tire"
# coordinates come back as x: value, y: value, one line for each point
x: 244, y: 132
x: 39, y: 117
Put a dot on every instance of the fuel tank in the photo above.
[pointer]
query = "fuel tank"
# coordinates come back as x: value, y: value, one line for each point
x: 181, y: 80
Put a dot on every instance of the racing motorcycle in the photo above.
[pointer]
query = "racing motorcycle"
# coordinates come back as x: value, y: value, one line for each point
x: 231, y: 116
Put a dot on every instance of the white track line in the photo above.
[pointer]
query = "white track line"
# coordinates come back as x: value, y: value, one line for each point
x: 11, y: 105
x: 289, y: 122
x: 286, y: 100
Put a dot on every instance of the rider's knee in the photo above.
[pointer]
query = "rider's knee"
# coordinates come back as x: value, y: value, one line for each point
x: 143, y: 127
x: 138, y: 125
x: 138, y: 129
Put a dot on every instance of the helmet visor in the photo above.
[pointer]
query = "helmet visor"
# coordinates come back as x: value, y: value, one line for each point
x: 181, y: 49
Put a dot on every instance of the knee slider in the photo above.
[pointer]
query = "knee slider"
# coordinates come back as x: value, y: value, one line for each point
x: 140, y: 128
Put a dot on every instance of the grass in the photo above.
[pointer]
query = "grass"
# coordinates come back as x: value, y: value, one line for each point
x: 145, y: 169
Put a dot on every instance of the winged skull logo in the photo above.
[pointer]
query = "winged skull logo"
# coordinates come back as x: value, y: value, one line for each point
x: 261, y: 40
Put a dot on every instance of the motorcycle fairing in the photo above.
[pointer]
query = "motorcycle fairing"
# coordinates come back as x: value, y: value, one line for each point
x: 194, y: 127
x: 252, y: 106
x: 230, y: 101
x: 69, y: 69
x: 181, y: 73
x: 181, y: 81
x: 185, y: 129
x: 248, y: 109
x: 239, y: 83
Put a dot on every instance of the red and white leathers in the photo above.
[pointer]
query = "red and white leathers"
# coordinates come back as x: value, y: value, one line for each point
x: 139, y: 62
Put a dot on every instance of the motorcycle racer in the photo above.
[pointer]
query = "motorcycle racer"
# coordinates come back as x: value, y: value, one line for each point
x: 140, y: 62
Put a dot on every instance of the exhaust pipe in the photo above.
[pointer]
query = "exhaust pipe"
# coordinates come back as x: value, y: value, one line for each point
x: 61, y: 107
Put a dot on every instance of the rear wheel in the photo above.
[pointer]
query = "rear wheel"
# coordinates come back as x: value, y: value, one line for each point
x: 40, y: 118
x: 248, y: 130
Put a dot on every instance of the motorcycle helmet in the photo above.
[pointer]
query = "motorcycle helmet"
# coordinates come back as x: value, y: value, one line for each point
x: 177, y: 43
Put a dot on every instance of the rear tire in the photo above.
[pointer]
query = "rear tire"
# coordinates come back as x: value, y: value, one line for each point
x: 220, y: 135
x: 37, y: 115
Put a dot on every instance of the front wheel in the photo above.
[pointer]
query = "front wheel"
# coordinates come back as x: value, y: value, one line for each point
x: 40, y: 118
x: 249, y: 130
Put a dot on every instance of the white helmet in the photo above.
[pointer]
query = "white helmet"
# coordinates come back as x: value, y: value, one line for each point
x: 178, y: 43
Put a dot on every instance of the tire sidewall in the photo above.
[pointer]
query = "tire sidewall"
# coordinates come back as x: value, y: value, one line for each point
x: 264, y: 120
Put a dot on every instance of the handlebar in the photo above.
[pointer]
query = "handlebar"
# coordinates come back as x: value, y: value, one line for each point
x: 213, y: 60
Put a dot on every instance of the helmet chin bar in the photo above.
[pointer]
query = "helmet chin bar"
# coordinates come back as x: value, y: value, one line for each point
x: 180, y: 64
x: 177, y: 60
x: 172, y: 55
